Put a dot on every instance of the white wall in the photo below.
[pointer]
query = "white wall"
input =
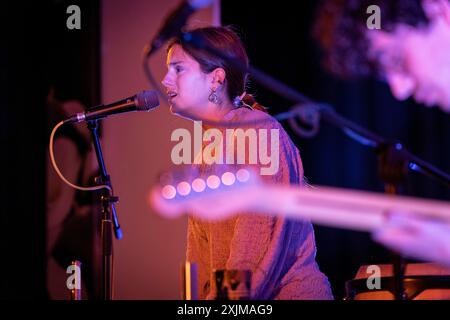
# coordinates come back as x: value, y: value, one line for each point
x: 137, y: 147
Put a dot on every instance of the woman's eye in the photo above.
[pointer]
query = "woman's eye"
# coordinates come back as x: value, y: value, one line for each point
x: 178, y: 69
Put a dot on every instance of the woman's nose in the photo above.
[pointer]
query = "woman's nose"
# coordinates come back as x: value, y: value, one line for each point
x: 166, y: 80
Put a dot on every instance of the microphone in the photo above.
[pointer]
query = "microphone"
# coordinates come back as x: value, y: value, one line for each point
x: 143, y: 101
x: 175, y: 21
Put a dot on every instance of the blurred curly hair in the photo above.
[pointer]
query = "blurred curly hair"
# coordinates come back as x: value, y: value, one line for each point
x: 340, y: 29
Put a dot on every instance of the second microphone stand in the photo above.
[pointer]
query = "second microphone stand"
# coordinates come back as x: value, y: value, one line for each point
x: 393, y: 164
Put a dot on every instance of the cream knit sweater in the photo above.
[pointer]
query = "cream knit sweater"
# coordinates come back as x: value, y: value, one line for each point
x: 279, y: 252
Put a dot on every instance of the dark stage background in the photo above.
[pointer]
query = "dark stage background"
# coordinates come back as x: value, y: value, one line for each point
x: 36, y: 51
x: 37, y: 48
x: 279, y: 41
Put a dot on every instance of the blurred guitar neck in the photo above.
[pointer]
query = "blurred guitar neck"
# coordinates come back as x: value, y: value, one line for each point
x: 342, y: 208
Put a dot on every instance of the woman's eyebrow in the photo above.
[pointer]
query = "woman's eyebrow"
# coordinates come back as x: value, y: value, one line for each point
x: 174, y: 63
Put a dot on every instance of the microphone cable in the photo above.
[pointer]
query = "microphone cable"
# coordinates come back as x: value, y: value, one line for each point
x: 55, y: 166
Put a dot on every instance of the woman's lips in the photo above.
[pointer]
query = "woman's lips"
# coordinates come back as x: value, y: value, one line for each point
x: 171, y: 96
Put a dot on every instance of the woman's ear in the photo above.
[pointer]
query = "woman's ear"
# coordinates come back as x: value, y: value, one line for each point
x: 218, y: 76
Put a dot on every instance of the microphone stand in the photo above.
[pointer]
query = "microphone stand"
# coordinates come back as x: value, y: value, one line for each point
x: 393, y: 170
x: 393, y: 160
x: 109, y: 217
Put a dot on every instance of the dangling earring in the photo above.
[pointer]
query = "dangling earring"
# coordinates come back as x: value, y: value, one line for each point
x: 213, y: 97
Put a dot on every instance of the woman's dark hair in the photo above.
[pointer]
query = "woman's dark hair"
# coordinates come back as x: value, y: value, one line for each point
x: 226, y: 41
x: 341, y: 29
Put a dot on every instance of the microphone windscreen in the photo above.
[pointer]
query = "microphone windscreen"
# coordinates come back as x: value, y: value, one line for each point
x: 147, y: 100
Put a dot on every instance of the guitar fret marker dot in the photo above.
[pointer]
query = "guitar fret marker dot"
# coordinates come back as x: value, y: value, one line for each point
x: 213, y: 182
x: 228, y: 178
x: 198, y: 185
x: 242, y: 175
x: 168, y: 192
x: 184, y: 188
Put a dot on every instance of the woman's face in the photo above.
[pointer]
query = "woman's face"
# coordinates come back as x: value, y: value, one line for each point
x: 187, y: 86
